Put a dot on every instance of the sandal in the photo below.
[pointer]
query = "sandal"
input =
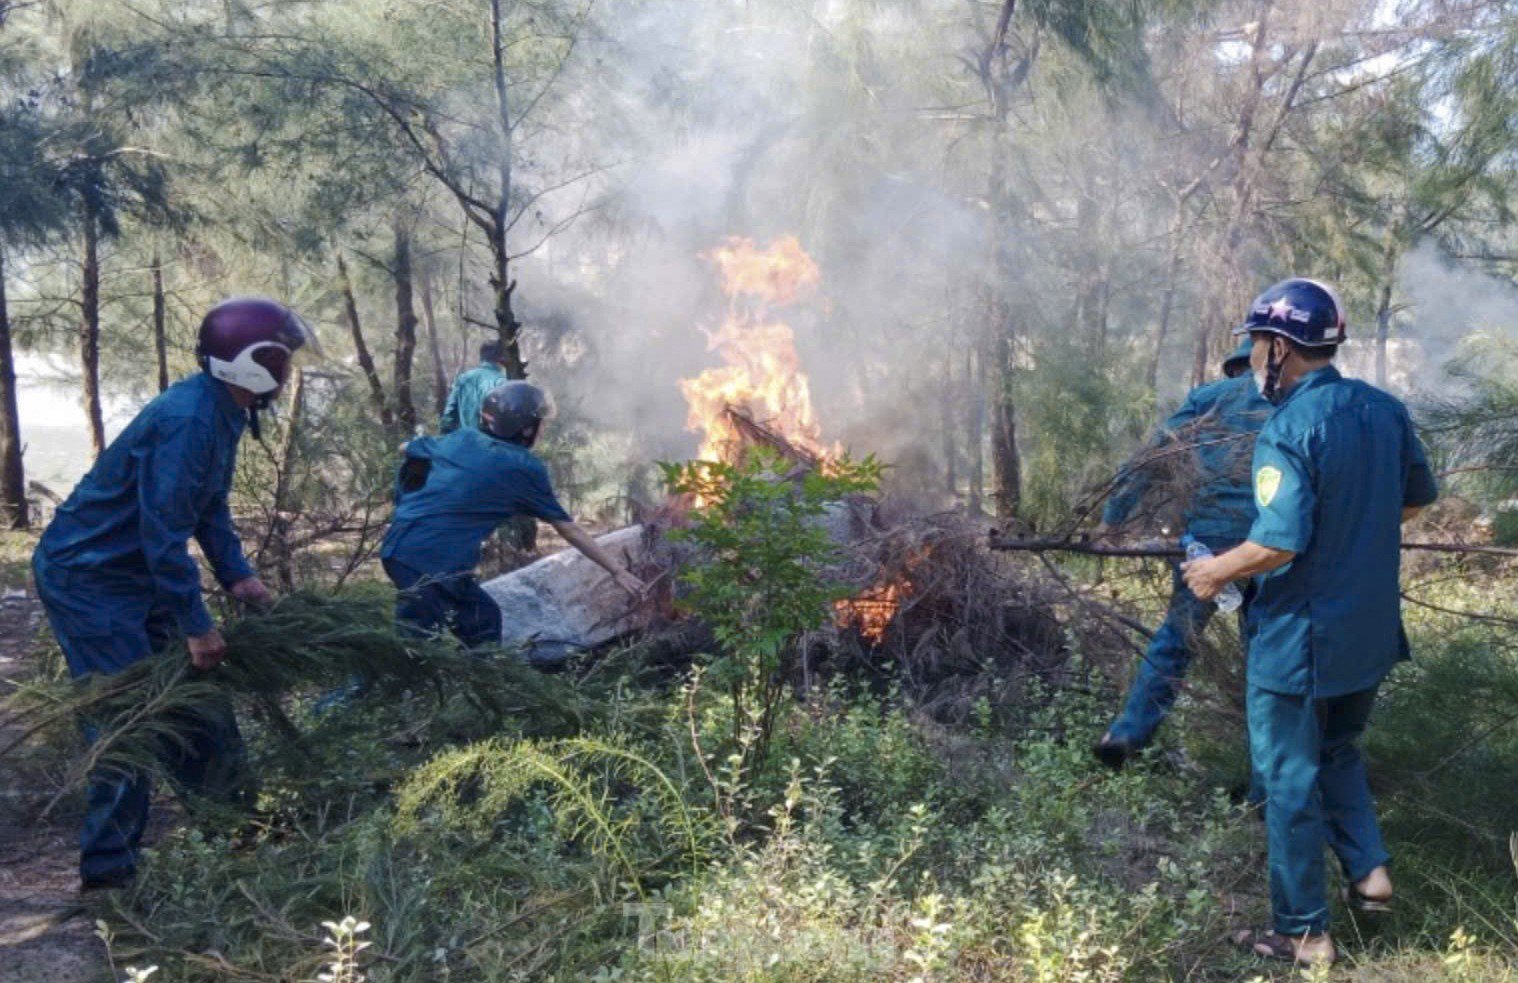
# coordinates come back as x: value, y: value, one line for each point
x: 1281, y: 948
x: 1365, y: 903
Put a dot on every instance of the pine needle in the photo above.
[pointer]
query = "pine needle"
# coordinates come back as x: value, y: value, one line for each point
x: 306, y: 643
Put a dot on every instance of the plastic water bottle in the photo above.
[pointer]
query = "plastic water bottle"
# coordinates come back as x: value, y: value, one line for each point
x: 1230, y: 597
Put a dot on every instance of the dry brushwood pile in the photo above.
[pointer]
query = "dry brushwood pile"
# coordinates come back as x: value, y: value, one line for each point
x: 1170, y: 472
x: 931, y: 609
x: 955, y: 625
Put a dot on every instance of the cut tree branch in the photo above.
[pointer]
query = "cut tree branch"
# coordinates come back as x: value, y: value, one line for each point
x: 1161, y: 550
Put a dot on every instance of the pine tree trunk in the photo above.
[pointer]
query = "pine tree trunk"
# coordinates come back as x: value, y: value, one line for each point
x: 995, y: 356
x: 1167, y: 303
x: 501, y: 283
x: 461, y: 306
x: 508, y: 327
x: 1005, y: 463
x: 1219, y: 307
x: 975, y: 431
x: 429, y: 320
x: 405, y: 331
x: 1384, y: 309
x: 89, y: 329
x: 1383, y: 336
x: 995, y: 362
x: 13, y: 508
x: 360, y: 347
x: 1199, y: 352
x: 160, y: 327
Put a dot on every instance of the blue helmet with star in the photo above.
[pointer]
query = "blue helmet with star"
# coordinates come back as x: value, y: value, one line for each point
x: 1306, y: 311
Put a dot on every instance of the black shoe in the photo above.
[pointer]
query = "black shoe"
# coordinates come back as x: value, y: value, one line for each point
x: 114, y: 881
x: 1112, y: 752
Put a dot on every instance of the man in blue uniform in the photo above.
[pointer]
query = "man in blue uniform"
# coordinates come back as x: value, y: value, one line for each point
x: 114, y: 572
x: 1337, y: 469
x: 470, y: 389
x: 1223, y: 418
x: 451, y: 492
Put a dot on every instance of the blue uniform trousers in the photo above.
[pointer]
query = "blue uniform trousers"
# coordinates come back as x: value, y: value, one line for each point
x: 103, y: 625
x: 1164, y: 665
x: 451, y: 602
x: 1316, y: 793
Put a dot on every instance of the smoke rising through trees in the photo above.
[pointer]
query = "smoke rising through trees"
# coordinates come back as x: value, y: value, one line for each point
x: 1036, y: 222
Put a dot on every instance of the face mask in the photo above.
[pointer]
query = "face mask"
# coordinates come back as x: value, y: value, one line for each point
x: 1259, y: 381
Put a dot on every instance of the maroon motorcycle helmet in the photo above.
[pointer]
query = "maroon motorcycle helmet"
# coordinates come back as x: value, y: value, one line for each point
x: 248, y: 342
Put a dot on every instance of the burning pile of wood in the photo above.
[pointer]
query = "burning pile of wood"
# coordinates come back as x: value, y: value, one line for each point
x: 932, y: 608
x: 953, y: 624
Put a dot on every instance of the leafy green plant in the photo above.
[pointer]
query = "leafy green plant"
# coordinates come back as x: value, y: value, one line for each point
x: 345, y: 940
x: 760, y: 576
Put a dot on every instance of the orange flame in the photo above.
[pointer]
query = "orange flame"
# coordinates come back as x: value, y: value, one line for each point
x: 761, y: 373
x: 761, y: 378
x: 872, y: 611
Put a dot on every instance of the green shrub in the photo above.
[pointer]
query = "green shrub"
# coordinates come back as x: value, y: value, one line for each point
x: 759, y: 577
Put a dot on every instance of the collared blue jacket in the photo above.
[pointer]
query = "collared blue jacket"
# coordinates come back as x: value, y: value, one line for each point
x: 1222, y: 509
x: 1333, y: 468
x: 468, y: 395
x: 473, y: 483
x: 162, y: 481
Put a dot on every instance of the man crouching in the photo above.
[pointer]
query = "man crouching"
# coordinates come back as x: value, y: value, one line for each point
x: 452, y: 492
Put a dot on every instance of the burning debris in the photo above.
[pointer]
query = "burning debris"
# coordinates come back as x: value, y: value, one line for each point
x: 932, y: 607
x: 871, y: 612
x: 760, y: 381
x: 954, y: 625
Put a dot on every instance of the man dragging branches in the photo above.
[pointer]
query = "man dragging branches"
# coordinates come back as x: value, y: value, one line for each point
x: 1221, y: 419
x: 115, y: 575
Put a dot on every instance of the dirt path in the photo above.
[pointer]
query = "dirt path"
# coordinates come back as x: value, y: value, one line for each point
x: 46, y: 934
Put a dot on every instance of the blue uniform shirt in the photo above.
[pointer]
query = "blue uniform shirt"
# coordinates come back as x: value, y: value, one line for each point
x: 475, y: 483
x: 1223, y: 507
x: 163, y: 480
x: 468, y: 395
x: 1333, y: 468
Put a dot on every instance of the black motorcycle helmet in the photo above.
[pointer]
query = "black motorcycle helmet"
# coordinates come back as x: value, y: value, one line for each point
x: 514, y: 411
x: 1237, y: 363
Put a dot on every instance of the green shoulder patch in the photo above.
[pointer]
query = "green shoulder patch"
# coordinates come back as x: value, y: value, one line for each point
x: 1267, y: 481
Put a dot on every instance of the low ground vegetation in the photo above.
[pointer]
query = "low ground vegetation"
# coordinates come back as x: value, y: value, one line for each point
x: 620, y: 821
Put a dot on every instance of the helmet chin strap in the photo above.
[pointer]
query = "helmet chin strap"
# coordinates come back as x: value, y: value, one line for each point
x: 1273, y: 366
x: 261, y: 402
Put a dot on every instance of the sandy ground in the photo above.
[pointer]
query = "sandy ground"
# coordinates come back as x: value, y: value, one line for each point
x: 46, y: 933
